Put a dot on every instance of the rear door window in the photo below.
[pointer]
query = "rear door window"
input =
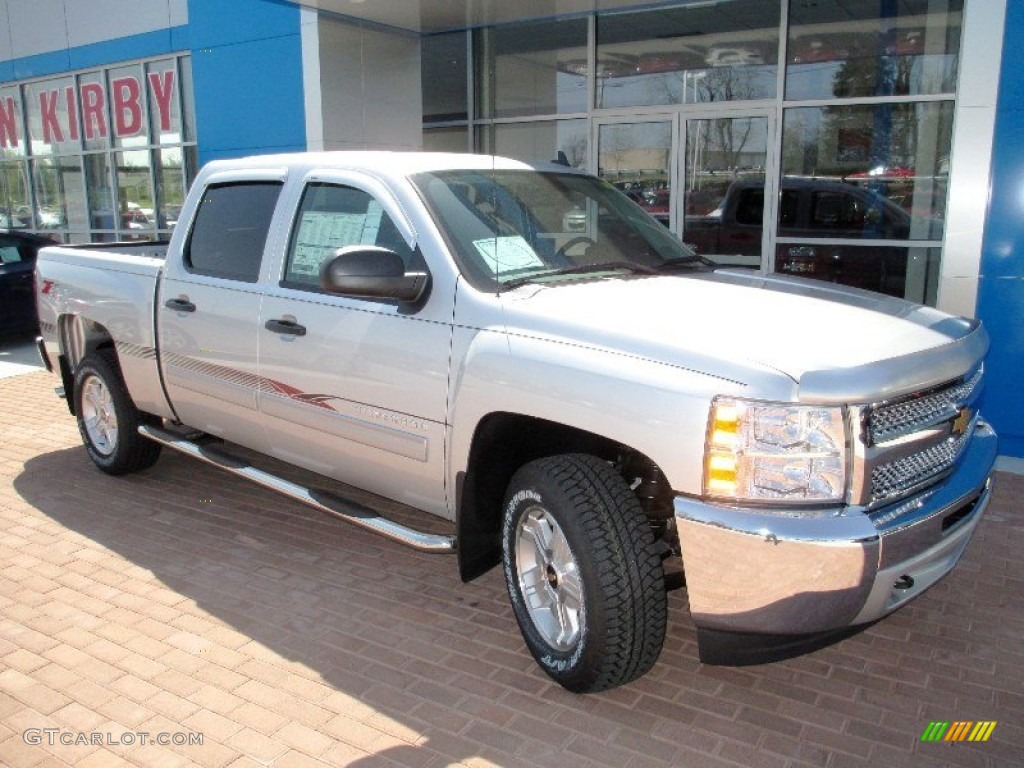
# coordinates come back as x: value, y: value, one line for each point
x: 230, y: 230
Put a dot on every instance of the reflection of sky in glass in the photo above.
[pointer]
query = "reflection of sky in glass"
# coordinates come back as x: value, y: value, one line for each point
x: 571, y: 93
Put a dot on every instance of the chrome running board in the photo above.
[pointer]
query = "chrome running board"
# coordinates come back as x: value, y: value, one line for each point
x: 323, y: 500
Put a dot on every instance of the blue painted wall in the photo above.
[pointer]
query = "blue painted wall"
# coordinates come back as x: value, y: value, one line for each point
x: 1001, y: 287
x: 246, y: 71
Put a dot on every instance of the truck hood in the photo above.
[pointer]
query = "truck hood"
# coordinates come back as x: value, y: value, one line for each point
x: 701, y: 321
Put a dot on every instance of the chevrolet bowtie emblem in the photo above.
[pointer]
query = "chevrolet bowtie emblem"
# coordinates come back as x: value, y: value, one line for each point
x: 962, y: 421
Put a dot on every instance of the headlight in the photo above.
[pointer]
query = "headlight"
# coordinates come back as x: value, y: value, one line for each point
x: 768, y: 452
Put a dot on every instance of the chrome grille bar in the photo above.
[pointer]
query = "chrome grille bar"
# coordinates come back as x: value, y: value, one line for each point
x: 890, y: 421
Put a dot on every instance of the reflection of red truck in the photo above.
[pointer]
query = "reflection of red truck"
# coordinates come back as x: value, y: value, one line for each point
x: 813, y: 209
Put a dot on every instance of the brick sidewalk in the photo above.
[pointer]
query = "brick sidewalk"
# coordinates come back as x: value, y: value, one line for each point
x: 183, y: 600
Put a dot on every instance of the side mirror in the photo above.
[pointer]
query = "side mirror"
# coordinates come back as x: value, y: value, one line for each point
x: 371, y: 272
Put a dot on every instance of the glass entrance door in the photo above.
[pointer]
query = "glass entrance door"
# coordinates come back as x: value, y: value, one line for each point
x: 700, y: 174
x: 723, y: 190
x: 639, y: 158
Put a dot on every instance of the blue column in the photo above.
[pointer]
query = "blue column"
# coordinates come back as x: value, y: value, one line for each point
x: 1001, y: 285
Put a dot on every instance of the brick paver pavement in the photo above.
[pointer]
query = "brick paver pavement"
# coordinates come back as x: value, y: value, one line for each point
x: 183, y: 600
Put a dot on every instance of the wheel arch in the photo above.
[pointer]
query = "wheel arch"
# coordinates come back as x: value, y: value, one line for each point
x: 77, y: 337
x: 501, y: 444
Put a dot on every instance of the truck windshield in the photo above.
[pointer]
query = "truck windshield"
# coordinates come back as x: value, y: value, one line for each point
x: 510, y: 227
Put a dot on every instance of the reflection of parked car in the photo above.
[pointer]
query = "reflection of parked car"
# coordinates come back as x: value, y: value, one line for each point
x: 169, y: 218
x: 135, y: 222
x: 809, y: 208
x: 656, y: 203
x: 17, y: 264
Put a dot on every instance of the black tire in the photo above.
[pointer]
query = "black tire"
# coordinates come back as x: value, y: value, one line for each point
x: 107, y: 418
x: 606, y: 563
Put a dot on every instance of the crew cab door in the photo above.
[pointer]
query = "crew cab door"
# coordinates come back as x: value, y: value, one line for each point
x: 208, y: 305
x: 356, y: 388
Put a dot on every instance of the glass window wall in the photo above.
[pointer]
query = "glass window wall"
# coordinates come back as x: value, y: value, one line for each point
x: 530, y: 69
x: 60, y: 204
x: 870, y: 171
x: 100, y: 155
x: 636, y: 157
x: 872, y: 48
x: 444, y: 67
x: 563, y: 141
x: 454, y: 139
x: 911, y: 273
x: 15, y: 203
x: 850, y: 142
x: 707, y: 52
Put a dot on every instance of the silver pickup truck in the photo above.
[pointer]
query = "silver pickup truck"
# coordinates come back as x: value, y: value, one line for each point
x: 523, y: 351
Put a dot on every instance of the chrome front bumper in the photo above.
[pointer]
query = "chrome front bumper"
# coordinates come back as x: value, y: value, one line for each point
x: 794, y: 574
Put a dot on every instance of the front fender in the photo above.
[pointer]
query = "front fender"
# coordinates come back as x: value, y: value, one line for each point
x: 657, y: 409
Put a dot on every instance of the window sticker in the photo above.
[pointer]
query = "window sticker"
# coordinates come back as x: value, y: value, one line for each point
x: 321, y: 233
x: 507, y: 254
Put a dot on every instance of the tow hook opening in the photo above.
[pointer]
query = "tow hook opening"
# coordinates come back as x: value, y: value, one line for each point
x: 903, y: 582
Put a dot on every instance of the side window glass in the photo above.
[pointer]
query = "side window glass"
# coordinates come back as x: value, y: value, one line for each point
x: 788, y: 206
x: 331, y: 217
x: 230, y: 230
x: 9, y: 254
x: 750, y: 207
x: 827, y: 210
x: 854, y: 213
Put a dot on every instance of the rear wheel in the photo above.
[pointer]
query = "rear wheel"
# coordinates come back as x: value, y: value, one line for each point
x: 583, y: 574
x: 108, y: 420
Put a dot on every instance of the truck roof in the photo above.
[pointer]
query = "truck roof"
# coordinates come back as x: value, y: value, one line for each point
x: 396, y: 164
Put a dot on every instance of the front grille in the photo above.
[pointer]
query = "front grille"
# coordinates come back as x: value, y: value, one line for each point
x: 895, y: 477
x: 887, y: 422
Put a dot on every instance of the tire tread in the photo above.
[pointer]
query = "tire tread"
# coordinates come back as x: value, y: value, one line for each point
x: 630, y: 574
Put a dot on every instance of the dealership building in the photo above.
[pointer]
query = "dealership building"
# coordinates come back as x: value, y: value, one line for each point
x: 876, y: 143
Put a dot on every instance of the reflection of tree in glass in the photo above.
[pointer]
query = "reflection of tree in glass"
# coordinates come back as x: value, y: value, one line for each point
x: 799, y: 143
x: 729, y: 141
x: 872, y: 75
x: 727, y: 84
x: 575, y: 150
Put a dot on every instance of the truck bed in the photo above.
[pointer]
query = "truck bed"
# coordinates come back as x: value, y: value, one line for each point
x: 110, y: 286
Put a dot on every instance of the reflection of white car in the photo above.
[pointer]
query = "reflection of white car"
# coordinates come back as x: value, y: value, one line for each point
x: 732, y: 57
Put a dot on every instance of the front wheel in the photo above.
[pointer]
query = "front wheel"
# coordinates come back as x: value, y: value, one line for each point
x: 107, y: 418
x: 583, y: 575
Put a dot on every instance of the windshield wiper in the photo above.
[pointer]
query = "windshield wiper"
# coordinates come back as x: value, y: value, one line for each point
x: 582, y: 269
